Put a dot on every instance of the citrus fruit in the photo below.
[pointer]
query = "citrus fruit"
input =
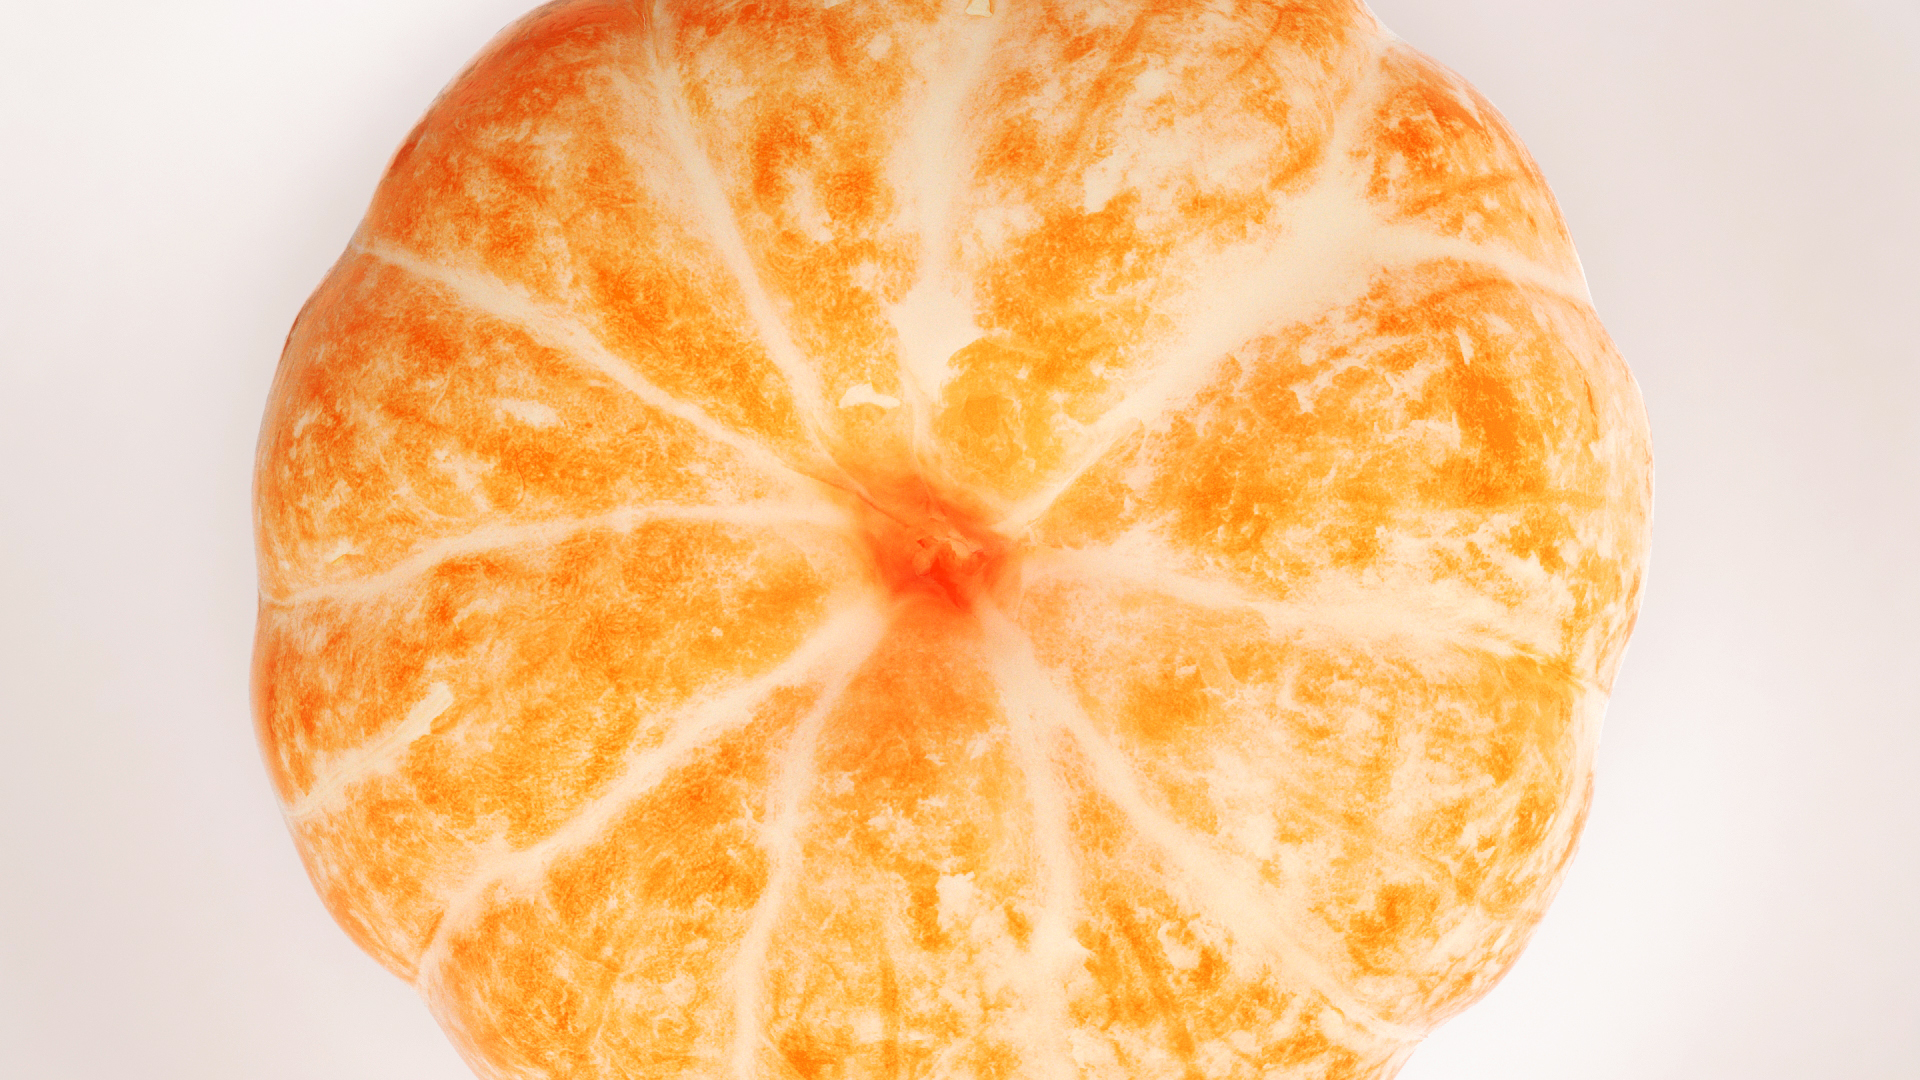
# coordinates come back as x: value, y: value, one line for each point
x: 972, y: 539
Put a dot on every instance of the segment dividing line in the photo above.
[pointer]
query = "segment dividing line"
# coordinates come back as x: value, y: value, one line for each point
x: 1283, y: 620
x: 501, y: 537
x: 781, y: 838
x: 1332, y: 246
x: 1223, y: 890
x: 376, y: 757
x: 1443, y: 622
x: 1321, y: 265
x: 935, y: 318
x: 1335, y: 196
x: 850, y: 636
x: 555, y: 328
x: 1053, y: 943
x: 708, y: 195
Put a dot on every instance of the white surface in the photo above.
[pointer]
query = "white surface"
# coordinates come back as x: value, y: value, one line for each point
x: 1741, y: 178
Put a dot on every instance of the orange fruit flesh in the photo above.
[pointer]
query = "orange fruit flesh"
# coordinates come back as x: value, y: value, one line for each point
x: 688, y: 648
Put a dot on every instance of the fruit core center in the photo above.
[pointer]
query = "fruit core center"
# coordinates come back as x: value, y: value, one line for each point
x: 925, y: 548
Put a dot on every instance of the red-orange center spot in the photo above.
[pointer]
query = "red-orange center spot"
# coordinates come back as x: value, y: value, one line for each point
x: 925, y: 547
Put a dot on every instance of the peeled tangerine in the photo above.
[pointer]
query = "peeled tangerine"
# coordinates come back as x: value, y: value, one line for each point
x: 884, y: 539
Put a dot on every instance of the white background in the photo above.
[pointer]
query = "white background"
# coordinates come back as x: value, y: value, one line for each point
x: 1742, y: 177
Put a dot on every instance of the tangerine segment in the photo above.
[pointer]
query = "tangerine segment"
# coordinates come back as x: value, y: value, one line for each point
x: 420, y: 406
x: 560, y: 164
x: 1442, y: 155
x: 1409, y: 802
x: 488, y: 703
x: 611, y: 957
x: 1172, y: 987
x: 801, y: 112
x: 1128, y: 218
x: 1454, y: 439
x: 905, y: 942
